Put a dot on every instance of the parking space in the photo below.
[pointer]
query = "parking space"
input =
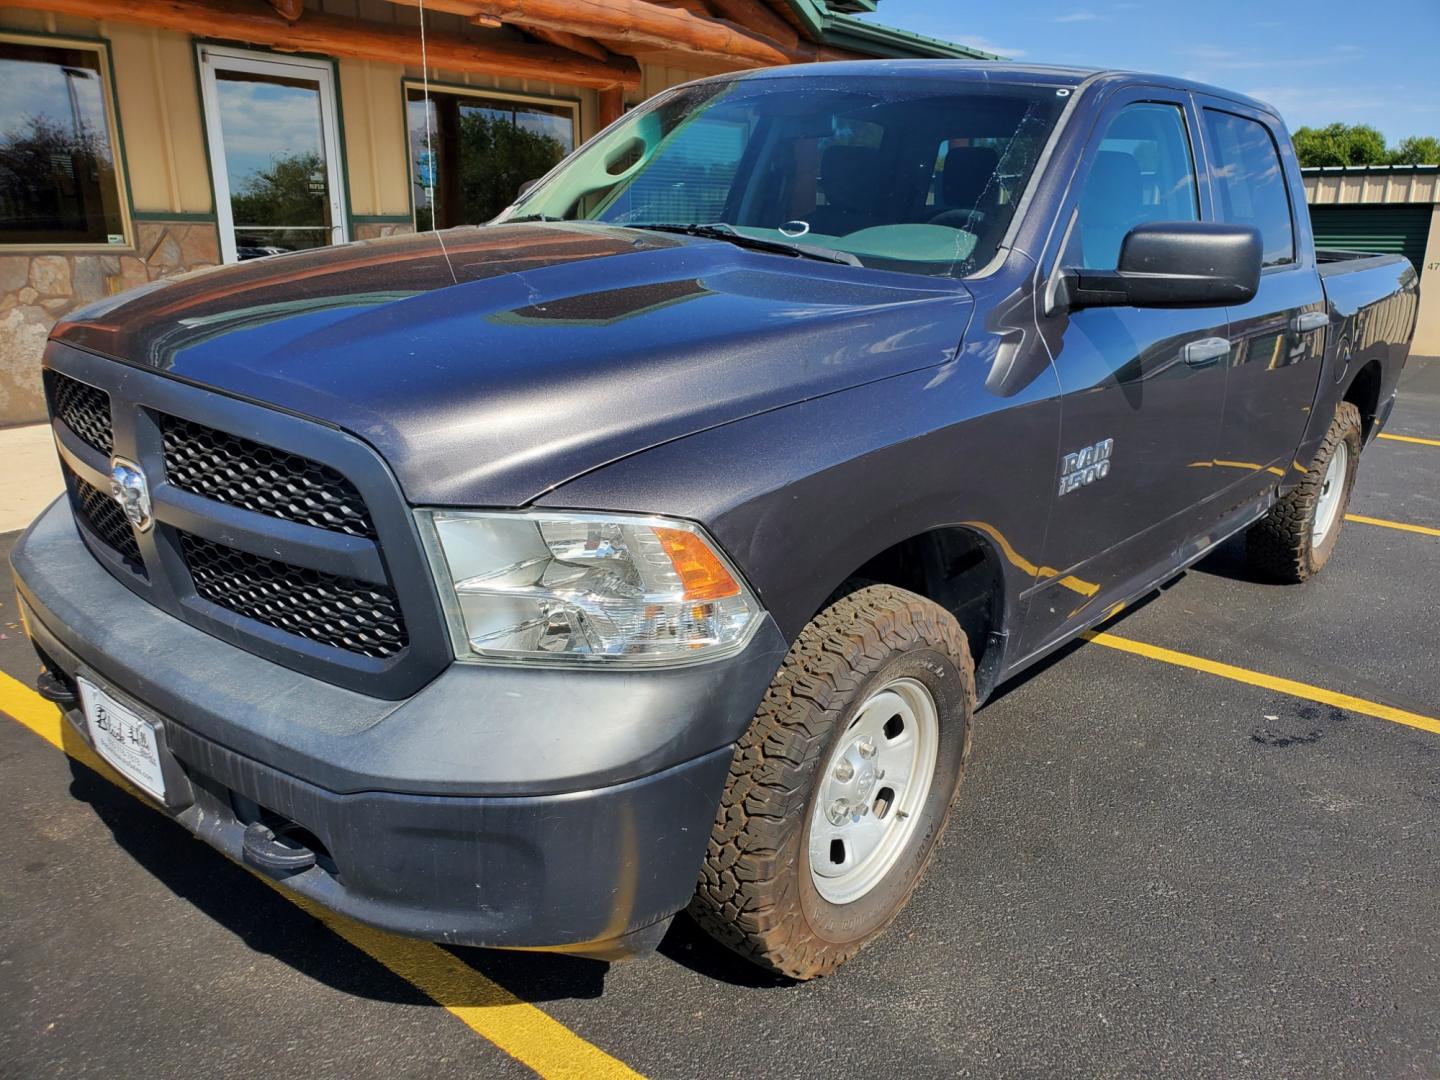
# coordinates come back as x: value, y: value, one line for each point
x: 1153, y: 869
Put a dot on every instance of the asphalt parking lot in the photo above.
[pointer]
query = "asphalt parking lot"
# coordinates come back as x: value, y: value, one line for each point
x: 1154, y: 869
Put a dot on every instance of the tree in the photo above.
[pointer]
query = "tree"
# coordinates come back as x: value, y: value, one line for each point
x: 1417, y: 150
x: 290, y: 192
x: 1341, y: 144
x: 482, y: 159
x: 56, y: 184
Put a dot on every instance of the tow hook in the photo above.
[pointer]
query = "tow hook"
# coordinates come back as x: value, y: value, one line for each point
x: 279, y: 853
x: 53, y: 688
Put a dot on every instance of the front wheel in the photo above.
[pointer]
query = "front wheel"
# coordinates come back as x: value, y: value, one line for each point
x: 841, y: 788
x: 1296, y: 538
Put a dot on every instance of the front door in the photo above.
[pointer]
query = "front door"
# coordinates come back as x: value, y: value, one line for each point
x: 274, y: 152
x: 1143, y: 389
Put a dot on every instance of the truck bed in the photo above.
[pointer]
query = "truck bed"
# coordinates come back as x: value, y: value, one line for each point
x: 1333, y: 261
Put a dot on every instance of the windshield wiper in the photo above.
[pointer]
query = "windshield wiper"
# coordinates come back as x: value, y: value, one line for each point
x: 728, y: 233
x: 523, y: 218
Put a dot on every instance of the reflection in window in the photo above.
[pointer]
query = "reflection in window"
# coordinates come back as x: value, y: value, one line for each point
x: 849, y: 164
x: 481, y: 149
x: 691, y: 182
x: 274, y: 139
x: 58, y: 183
x: 1249, y: 181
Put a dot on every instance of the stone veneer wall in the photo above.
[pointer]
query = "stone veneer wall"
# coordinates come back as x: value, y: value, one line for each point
x: 36, y: 289
x: 372, y: 230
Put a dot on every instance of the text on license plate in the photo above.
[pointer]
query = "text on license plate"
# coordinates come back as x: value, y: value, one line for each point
x: 125, y: 739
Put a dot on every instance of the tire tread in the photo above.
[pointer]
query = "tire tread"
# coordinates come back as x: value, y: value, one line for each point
x: 747, y: 897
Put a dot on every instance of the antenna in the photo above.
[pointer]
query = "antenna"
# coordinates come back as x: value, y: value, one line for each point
x: 429, y: 150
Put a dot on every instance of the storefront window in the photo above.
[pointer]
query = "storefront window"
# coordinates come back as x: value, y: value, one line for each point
x: 58, y: 178
x: 480, y: 150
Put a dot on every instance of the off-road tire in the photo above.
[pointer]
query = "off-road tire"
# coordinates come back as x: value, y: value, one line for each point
x: 756, y: 893
x: 1280, y: 545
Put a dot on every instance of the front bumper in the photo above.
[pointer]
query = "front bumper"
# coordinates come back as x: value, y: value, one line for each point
x: 499, y: 806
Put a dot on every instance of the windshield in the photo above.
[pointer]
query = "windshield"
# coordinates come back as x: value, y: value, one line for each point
x: 921, y: 175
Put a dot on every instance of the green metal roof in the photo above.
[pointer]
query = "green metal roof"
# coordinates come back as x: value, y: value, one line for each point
x: 834, y: 23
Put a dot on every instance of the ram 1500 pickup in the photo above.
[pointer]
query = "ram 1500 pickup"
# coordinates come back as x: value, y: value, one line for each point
x: 653, y: 545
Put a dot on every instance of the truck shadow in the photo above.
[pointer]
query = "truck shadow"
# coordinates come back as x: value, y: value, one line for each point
x: 1229, y: 561
x: 270, y: 924
x: 267, y: 922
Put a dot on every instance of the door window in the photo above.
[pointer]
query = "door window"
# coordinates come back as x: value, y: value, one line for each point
x: 1143, y: 171
x: 275, y: 154
x: 1250, y: 182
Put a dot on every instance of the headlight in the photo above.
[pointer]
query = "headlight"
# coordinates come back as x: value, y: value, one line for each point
x: 587, y: 587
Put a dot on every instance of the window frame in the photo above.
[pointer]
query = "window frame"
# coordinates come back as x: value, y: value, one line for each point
x: 101, y: 47
x: 267, y: 61
x: 408, y: 83
x: 1212, y: 163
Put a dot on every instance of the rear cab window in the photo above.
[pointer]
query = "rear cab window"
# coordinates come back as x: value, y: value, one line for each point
x: 1249, y: 181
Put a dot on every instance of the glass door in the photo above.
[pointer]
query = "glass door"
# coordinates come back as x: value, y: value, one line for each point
x: 274, y: 152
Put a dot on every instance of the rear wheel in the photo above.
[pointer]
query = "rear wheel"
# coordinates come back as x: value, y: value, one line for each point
x: 841, y: 787
x: 1296, y: 538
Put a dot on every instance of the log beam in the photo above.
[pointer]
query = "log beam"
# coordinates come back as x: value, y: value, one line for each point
x: 574, y: 42
x: 640, y: 24
x: 256, y: 22
x: 760, y: 17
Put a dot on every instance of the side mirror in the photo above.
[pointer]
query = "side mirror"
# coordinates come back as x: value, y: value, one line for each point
x: 1171, y: 264
x: 525, y: 186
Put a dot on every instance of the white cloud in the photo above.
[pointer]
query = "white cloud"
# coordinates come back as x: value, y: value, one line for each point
x: 261, y: 121
x: 1216, y: 58
x: 974, y: 41
x: 1305, y: 106
x: 1078, y: 16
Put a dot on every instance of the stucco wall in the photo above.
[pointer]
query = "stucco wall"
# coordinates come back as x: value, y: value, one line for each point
x: 1427, y: 329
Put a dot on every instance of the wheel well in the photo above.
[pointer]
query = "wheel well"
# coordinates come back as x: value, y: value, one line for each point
x: 957, y: 569
x: 1364, y: 393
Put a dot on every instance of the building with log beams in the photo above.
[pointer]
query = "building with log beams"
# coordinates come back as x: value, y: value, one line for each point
x: 141, y: 138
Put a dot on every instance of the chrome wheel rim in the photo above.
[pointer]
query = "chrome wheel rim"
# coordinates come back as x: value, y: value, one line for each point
x: 874, y: 786
x: 1327, y: 507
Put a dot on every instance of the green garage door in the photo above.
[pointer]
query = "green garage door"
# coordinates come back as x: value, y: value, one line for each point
x: 1382, y: 229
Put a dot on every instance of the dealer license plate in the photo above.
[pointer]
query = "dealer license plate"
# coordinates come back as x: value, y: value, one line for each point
x: 125, y: 739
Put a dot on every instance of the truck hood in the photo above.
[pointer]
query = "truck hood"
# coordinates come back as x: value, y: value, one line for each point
x: 489, y: 365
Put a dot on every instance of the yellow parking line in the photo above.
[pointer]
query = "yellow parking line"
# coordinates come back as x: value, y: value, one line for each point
x: 524, y: 1032
x: 1409, y: 438
x: 1423, y: 530
x: 1269, y: 682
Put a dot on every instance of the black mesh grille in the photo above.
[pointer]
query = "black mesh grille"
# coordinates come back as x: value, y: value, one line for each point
x: 103, y: 517
x: 337, y: 611
x: 84, y: 410
x: 233, y: 470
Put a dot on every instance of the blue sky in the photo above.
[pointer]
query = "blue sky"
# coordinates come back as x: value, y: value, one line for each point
x: 1317, y: 61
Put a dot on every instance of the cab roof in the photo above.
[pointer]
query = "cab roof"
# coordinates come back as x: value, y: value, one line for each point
x: 994, y: 71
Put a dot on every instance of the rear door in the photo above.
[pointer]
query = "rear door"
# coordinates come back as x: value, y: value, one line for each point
x: 1143, y: 388
x: 1278, y: 338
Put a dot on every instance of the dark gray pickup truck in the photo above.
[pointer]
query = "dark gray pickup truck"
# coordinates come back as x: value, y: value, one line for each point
x: 653, y: 545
